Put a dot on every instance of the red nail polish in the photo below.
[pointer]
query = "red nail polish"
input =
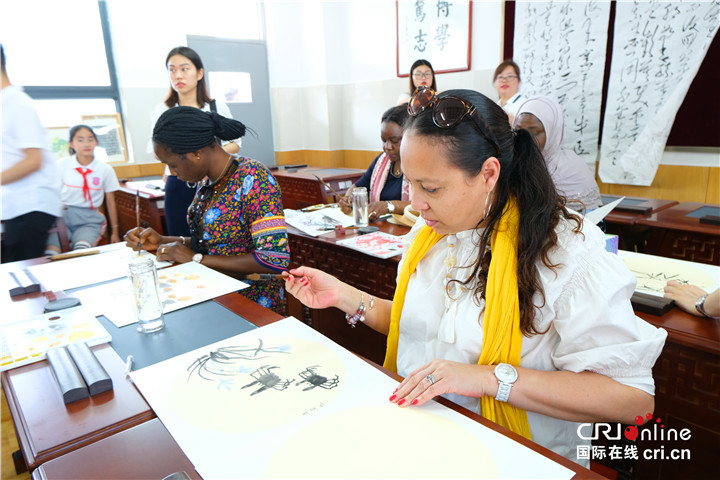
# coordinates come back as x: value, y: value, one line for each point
x: 414, y: 402
x: 401, y: 402
x: 395, y: 391
x: 393, y: 398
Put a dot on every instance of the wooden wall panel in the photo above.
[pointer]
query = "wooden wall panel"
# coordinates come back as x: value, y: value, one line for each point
x: 713, y: 191
x: 139, y: 170
x: 673, y: 182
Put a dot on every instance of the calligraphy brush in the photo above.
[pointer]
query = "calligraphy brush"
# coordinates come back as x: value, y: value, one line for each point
x: 265, y: 276
x: 137, y: 218
x: 337, y: 195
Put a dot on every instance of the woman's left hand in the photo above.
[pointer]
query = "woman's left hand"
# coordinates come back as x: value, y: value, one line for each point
x: 376, y: 210
x: 174, y: 252
x: 443, y: 376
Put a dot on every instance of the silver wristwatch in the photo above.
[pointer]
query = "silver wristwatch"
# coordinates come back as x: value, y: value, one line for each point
x: 506, y: 375
x: 197, y: 257
x: 390, y: 207
x: 700, y: 306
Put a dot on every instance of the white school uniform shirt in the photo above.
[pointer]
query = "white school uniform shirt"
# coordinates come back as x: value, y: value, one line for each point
x: 590, y: 322
x: 161, y: 108
x: 101, y: 180
x: 513, y: 103
x: 21, y: 129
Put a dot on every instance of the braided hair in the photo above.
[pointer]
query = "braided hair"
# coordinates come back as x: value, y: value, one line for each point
x: 187, y: 129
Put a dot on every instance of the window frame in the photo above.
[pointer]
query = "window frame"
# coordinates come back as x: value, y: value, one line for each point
x: 111, y: 91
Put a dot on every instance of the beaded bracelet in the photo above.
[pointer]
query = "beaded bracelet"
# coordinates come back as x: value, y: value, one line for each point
x: 359, y: 315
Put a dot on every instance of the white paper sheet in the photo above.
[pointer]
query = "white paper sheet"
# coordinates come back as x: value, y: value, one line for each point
x: 318, y: 221
x: 27, y: 341
x: 377, y: 244
x: 652, y: 273
x: 285, y: 401
x: 107, y: 265
x: 180, y: 286
x: 599, y: 213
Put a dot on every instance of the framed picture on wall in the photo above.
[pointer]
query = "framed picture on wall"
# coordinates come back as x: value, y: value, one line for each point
x: 59, y: 141
x: 439, y: 32
x: 110, y: 134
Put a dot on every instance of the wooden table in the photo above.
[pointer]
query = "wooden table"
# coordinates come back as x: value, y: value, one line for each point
x: 300, y: 188
x: 144, y: 451
x: 675, y: 234
x: 686, y: 373
x: 622, y: 221
x: 155, y: 453
x: 152, y: 209
x: 373, y: 275
x: 46, y: 428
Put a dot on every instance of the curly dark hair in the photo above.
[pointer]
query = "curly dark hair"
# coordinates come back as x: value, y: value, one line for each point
x: 523, y: 175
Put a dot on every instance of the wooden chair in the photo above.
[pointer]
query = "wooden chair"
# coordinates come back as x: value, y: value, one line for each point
x: 61, y: 229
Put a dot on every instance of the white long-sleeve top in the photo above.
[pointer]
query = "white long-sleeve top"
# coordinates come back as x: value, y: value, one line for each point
x: 590, y: 322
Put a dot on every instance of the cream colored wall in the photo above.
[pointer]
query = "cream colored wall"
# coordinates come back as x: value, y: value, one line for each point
x: 332, y: 75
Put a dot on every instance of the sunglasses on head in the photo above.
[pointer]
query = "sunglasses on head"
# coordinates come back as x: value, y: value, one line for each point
x: 448, y: 112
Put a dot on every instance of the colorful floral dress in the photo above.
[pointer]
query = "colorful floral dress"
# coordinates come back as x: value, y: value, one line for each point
x: 242, y: 214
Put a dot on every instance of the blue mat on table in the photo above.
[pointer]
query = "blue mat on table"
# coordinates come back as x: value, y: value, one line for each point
x: 185, y: 330
x: 702, y: 211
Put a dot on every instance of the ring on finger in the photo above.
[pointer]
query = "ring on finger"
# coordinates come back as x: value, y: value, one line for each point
x: 162, y: 250
x: 430, y: 378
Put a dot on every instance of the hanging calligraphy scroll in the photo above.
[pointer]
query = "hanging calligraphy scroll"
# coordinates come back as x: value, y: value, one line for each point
x: 657, y: 50
x: 435, y: 30
x: 560, y: 49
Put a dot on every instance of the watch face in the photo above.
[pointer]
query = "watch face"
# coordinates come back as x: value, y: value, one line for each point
x: 506, y: 373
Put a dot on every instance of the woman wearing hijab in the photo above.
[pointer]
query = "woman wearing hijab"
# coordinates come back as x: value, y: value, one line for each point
x: 543, y: 118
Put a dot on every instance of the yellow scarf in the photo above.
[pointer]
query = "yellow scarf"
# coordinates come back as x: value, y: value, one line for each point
x: 502, y: 339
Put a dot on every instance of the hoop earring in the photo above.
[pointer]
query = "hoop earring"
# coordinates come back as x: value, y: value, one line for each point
x: 488, y: 205
x: 191, y: 185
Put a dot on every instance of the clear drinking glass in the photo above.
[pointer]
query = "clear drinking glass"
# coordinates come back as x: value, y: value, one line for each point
x: 360, y: 206
x: 148, y: 308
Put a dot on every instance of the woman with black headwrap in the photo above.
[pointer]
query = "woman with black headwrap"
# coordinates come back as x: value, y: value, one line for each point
x: 236, y: 219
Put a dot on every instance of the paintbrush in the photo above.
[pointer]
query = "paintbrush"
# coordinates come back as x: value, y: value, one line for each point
x: 82, y: 253
x: 336, y: 227
x: 265, y: 276
x: 337, y: 195
x: 137, y: 218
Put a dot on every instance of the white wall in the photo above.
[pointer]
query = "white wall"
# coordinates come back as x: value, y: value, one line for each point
x: 332, y: 64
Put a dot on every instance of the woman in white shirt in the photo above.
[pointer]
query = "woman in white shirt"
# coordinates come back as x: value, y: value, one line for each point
x: 507, y: 84
x: 188, y: 89
x: 506, y: 303
x: 422, y: 74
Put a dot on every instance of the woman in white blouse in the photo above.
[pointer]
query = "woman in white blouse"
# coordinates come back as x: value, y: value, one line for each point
x: 506, y: 303
x: 507, y: 84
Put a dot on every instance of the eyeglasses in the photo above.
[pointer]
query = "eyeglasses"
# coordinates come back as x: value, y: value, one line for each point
x: 449, y: 112
x: 422, y: 75
x: 505, y: 78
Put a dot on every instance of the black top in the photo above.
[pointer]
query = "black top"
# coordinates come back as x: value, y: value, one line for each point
x: 393, y: 186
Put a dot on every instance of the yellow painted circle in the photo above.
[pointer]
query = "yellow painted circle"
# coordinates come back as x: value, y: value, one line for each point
x: 389, y: 442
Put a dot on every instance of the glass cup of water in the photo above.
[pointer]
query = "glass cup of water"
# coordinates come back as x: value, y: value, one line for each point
x: 360, y: 206
x: 146, y: 294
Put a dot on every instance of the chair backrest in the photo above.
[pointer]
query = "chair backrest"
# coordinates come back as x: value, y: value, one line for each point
x: 61, y: 229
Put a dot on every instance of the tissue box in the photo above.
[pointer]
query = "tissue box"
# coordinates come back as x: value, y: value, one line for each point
x: 611, y: 243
